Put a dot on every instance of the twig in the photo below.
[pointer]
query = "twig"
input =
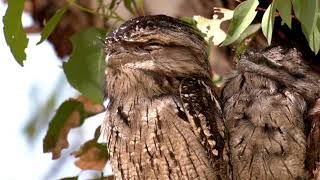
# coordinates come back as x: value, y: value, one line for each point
x: 114, y: 15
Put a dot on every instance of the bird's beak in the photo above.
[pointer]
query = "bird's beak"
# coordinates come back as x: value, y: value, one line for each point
x: 112, y: 59
x: 116, y: 59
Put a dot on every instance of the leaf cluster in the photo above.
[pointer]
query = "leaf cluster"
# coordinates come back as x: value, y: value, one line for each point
x: 241, y: 27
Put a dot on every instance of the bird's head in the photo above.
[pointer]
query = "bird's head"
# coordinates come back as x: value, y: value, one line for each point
x: 151, y: 47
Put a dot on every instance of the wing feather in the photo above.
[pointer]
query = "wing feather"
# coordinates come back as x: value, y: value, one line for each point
x: 203, y: 110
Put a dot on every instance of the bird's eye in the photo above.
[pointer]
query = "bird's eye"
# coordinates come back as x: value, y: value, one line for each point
x: 152, y: 46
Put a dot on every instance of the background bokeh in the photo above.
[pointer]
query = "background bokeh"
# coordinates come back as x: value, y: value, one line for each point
x: 29, y: 96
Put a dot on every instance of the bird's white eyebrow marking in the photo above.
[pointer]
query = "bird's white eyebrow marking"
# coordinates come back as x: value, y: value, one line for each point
x: 148, y: 64
x: 141, y: 64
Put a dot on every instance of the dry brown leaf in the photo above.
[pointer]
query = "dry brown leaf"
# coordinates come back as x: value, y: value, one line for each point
x: 92, y: 156
x: 70, y: 114
x: 89, y: 106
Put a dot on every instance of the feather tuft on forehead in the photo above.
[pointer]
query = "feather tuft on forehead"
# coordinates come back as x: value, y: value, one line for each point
x: 142, y: 24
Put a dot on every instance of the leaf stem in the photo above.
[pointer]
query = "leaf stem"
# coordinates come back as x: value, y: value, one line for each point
x: 113, y: 15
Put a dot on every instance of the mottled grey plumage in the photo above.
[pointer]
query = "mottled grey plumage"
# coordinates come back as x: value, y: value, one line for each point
x: 266, y: 102
x: 164, y: 120
x: 313, y: 141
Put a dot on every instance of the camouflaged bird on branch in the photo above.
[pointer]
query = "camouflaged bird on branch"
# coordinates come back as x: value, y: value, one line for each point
x: 165, y: 121
x: 266, y: 104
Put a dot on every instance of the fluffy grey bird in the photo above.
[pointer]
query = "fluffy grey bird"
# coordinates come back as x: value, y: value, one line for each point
x: 164, y: 120
x: 266, y: 102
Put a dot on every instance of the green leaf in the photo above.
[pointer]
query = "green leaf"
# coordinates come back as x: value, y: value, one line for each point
x: 305, y: 11
x: 253, y: 28
x: 297, y: 7
x: 69, y: 115
x: 85, y: 68
x: 268, y: 22
x: 52, y: 23
x: 242, y: 18
x: 318, y: 20
x: 15, y: 37
x: 284, y: 7
x: 314, y: 39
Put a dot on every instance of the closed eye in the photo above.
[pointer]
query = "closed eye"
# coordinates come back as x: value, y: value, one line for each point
x: 153, y: 45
